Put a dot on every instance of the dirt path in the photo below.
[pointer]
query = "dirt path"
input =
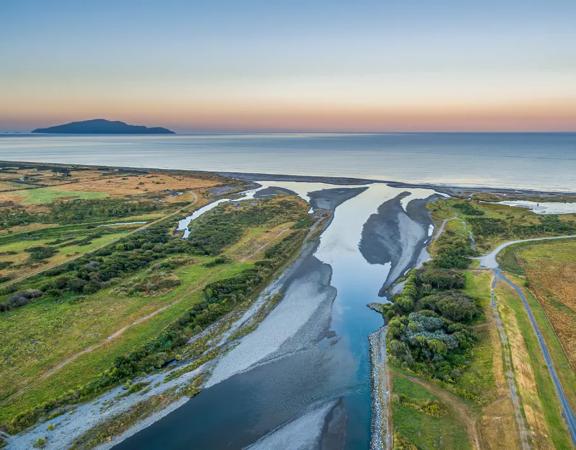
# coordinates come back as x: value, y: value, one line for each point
x: 263, y: 246
x: 461, y: 409
x: 442, y: 227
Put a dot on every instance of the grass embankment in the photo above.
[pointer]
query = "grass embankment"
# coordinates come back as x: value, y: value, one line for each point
x: 545, y: 271
x: 549, y: 272
x: 129, y: 308
x: 539, y: 399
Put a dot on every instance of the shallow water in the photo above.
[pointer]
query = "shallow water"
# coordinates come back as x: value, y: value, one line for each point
x: 542, y: 161
x: 543, y: 207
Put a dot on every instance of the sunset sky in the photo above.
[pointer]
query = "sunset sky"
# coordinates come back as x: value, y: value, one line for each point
x: 324, y: 65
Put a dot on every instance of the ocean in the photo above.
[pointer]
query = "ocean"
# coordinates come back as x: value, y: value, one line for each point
x: 539, y: 161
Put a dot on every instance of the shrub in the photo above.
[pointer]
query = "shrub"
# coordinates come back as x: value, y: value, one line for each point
x: 40, y: 253
x: 468, y: 209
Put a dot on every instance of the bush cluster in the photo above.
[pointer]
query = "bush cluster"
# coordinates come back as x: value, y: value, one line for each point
x: 453, y: 251
x: 484, y: 227
x: 468, y: 209
x: 76, y: 211
x: 429, y: 327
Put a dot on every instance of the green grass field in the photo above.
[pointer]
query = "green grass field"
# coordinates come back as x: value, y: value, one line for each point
x: 64, y: 240
x: 477, y: 381
x: 445, y: 209
x: 46, y: 195
x: 422, y: 429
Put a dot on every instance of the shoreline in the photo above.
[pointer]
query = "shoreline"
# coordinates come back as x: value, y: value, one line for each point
x: 453, y: 190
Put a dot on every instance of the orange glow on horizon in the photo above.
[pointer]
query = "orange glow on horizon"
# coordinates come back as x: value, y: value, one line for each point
x: 545, y: 115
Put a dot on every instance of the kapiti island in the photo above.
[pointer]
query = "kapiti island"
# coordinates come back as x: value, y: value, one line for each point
x: 102, y: 126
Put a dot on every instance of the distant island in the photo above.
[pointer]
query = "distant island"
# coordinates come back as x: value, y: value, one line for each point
x: 102, y: 126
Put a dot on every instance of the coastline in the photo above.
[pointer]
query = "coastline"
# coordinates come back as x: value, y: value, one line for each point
x: 448, y: 189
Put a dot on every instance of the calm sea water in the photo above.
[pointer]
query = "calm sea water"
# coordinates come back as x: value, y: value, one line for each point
x: 545, y: 161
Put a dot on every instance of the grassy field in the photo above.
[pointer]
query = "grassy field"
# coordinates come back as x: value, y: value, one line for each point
x: 41, y: 184
x: 67, y: 242
x: 420, y: 418
x: 42, y: 196
x: 510, y: 220
x: 40, y: 337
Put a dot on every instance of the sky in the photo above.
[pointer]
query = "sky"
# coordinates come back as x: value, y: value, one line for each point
x: 291, y: 65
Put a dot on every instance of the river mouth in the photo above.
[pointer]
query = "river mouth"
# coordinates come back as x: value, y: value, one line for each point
x: 303, y: 376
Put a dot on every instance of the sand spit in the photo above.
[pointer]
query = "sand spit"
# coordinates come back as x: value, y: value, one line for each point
x: 543, y: 207
x: 398, y: 234
x: 303, y: 433
x: 309, y: 292
x: 320, y: 191
x: 72, y: 424
x: 331, y: 198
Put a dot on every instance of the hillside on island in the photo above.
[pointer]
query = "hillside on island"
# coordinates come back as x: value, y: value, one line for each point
x: 102, y: 126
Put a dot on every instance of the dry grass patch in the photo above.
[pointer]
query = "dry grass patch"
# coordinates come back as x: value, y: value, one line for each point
x: 523, y: 371
x: 124, y: 185
x: 497, y: 425
x: 551, y: 272
x: 256, y: 240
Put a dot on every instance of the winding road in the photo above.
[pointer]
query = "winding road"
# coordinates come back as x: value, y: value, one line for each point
x: 490, y: 262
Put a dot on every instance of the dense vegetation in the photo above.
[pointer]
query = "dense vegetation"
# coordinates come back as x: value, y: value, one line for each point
x: 452, y: 251
x: 468, y: 209
x: 76, y: 211
x: 12, y: 216
x: 429, y: 327
x: 93, y: 272
x: 548, y: 224
x: 80, y: 210
x: 213, y: 232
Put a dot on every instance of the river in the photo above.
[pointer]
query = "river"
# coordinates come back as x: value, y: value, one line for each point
x: 303, y: 376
